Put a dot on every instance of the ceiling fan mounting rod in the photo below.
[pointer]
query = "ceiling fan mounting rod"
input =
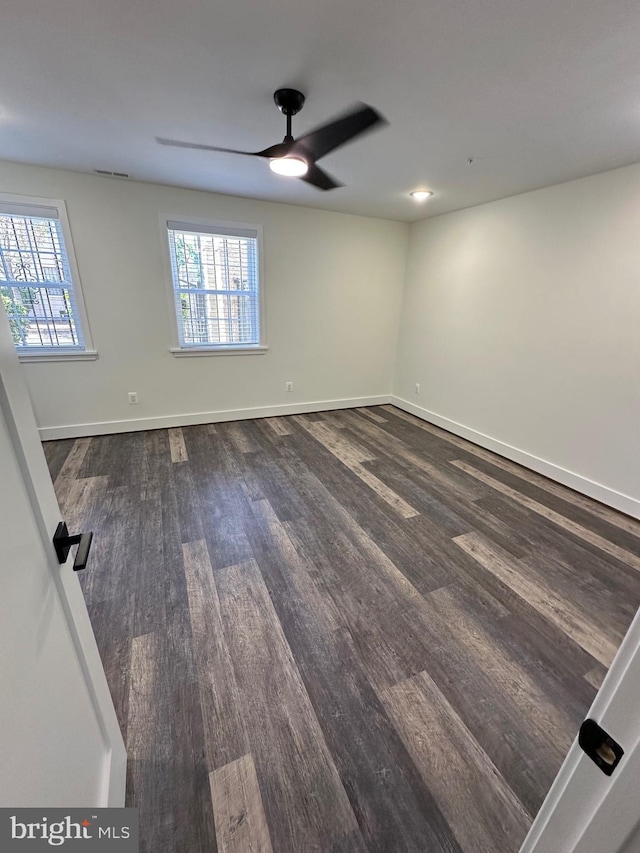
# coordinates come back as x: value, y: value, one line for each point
x: 289, y: 102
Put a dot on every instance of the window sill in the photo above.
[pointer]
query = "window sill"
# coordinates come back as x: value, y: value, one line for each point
x: 206, y: 351
x: 70, y: 355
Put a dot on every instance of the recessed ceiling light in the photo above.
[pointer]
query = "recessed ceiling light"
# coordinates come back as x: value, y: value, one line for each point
x: 291, y: 166
x: 421, y: 195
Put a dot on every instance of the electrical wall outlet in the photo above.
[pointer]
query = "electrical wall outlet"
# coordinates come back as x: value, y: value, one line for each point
x: 288, y: 386
x: 133, y: 398
x: 417, y: 387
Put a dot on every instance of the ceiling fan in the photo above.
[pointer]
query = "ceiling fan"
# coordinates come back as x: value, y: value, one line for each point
x: 298, y: 157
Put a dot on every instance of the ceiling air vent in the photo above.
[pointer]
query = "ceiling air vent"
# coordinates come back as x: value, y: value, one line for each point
x: 109, y: 174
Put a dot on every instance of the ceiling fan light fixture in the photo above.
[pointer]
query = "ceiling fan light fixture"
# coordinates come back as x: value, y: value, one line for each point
x: 293, y: 167
x: 421, y: 195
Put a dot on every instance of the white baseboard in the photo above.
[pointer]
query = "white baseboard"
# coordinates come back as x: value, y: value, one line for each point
x: 137, y: 424
x: 604, y: 494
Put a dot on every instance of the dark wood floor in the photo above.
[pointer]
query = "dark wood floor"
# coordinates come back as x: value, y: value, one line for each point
x: 344, y: 632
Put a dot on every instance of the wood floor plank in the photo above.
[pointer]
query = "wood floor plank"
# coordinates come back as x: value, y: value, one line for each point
x: 420, y: 492
x: 533, y: 589
x: 150, y: 757
x: 99, y: 459
x: 216, y: 485
x: 181, y: 658
x: 593, y: 507
x: 482, y: 811
x: 347, y: 451
x: 150, y: 611
x: 69, y: 472
x: 241, y: 825
x: 102, y: 519
x: 193, y: 825
x: 522, y: 725
x: 404, y: 509
x: 225, y: 739
x: 555, y: 663
x: 115, y: 654
x: 215, y: 505
x: 270, y: 483
x: 611, y: 516
x: 333, y: 419
x: 177, y: 446
x: 56, y: 453
x: 359, y: 563
x: 453, y: 504
x: 372, y: 415
x: 596, y: 676
x: 394, y: 809
x: 278, y: 425
x: 528, y: 635
x: 605, y: 545
x: 190, y: 508
x: 240, y: 436
x: 503, y: 725
x: 432, y: 447
x: 120, y: 547
x: 82, y: 496
x: 522, y: 688
x: 600, y: 584
x: 160, y: 595
x: 113, y: 517
x: 352, y: 455
x: 588, y: 513
x: 340, y: 490
x: 305, y: 803
x: 384, y: 638
x: 361, y: 579
x: 439, y: 475
x: 262, y: 475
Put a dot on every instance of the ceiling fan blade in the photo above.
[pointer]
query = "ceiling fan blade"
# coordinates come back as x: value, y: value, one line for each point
x: 281, y: 149
x: 320, y: 179
x: 359, y: 119
x: 177, y: 144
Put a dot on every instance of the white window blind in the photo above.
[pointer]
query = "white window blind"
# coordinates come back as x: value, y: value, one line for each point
x: 36, y: 286
x: 216, y: 285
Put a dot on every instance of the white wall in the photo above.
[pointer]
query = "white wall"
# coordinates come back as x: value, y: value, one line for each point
x: 333, y: 286
x: 521, y: 322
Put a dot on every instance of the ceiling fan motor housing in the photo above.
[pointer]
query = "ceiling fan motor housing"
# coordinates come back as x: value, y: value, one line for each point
x: 288, y: 101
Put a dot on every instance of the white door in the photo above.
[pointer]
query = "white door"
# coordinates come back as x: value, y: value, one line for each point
x: 585, y: 810
x: 60, y: 744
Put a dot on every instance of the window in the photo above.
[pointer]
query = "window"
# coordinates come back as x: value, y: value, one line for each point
x: 37, y: 287
x: 216, y: 287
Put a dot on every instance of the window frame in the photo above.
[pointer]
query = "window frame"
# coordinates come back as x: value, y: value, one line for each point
x: 197, y: 350
x: 59, y: 353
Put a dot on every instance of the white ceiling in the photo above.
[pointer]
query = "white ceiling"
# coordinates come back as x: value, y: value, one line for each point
x: 536, y: 91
